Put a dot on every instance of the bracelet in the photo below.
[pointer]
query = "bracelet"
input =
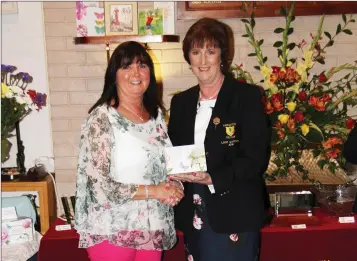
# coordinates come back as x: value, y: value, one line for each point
x: 146, y: 192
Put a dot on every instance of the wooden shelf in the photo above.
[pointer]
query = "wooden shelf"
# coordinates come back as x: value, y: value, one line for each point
x: 123, y: 38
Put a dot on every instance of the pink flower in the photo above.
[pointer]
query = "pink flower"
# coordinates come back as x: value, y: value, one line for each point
x: 4, y: 233
x: 197, y: 199
x: 197, y: 222
x: 26, y: 223
x: 234, y: 237
x: 190, y: 258
x: 152, y: 140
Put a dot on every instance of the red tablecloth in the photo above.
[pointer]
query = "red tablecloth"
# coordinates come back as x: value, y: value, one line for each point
x: 63, y: 246
x: 328, y: 241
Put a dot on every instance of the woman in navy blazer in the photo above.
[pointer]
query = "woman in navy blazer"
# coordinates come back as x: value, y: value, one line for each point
x: 223, y: 209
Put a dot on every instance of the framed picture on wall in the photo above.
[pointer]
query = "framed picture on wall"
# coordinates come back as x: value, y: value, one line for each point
x: 121, y: 18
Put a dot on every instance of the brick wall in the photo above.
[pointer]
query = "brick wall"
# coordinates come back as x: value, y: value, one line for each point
x: 76, y: 72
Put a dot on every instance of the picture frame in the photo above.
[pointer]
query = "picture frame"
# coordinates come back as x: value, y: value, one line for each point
x: 9, y: 8
x: 121, y: 18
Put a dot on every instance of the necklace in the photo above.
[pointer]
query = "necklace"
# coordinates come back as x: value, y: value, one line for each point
x: 141, y: 118
x: 209, y: 98
x: 213, y: 96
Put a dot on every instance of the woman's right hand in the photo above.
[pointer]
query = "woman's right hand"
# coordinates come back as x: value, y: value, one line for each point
x: 168, y: 193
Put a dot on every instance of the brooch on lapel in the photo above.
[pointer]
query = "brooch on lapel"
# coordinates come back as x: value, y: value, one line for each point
x: 216, y: 121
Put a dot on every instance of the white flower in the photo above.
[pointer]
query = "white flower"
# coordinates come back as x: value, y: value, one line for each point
x: 20, y: 100
x: 190, y: 258
x: 197, y: 199
x: 9, y: 95
x: 15, y: 89
x: 197, y: 222
x: 28, y: 100
x: 234, y: 237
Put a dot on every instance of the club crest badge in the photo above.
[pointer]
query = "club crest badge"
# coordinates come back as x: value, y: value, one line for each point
x: 230, y: 130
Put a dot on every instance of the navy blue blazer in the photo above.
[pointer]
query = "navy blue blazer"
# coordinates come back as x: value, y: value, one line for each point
x: 237, y: 146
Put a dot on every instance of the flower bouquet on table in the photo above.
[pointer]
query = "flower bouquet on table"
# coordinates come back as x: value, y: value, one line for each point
x: 16, y: 102
x: 308, y: 110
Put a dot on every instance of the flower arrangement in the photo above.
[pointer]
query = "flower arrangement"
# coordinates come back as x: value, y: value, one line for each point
x: 16, y: 103
x: 307, y: 110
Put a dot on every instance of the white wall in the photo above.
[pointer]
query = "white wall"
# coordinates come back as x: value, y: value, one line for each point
x: 23, y: 45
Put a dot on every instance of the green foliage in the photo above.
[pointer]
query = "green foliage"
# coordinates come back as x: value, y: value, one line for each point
x: 318, y: 120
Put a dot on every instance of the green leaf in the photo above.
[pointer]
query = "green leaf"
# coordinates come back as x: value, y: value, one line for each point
x: 245, y: 35
x: 257, y: 67
x: 347, y: 31
x: 279, y: 30
x: 245, y: 21
x: 252, y: 54
x: 265, y: 59
x: 315, y: 153
x: 280, y: 52
x: 344, y: 18
x: 283, y: 11
x: 332, y: 168
x: 290, y: 31
x: 293, y: 18
x: 328, y: 35
x: 252, y: 23
x: 278, y: 44
x: 291, y: 46
x: 322, y: 163
x: 260, y: 42
x: 252, y: 15
x: 292, y: 60
x: 352, y: 20
x: 338, y: 30
x: 330, y: 43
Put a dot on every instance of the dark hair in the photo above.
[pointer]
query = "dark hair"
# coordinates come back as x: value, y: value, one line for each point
x: 212, y: 32
x: 123, y: 56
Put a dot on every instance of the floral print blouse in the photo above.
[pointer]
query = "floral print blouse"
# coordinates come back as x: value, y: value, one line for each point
x: 115, y: 157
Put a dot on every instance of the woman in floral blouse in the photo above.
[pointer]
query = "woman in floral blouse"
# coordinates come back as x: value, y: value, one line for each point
x: 124, y: 200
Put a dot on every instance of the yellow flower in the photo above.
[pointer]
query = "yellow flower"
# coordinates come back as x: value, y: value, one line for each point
x: 265, y: 71
x: 291, y: 106
x: 5, y: 90
x: 271, y: 86
x: 305, y: 129
x: 308, y: 58
x: 301, y: 69
x: 295, y: 88
x: 283, y: 118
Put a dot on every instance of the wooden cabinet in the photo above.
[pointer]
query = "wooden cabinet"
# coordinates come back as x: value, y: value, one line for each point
x: 45, y: 189
x: 231, y: 9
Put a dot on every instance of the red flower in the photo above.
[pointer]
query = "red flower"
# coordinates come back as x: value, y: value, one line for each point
x: 32, y: 94
x: 331, y: 142
x: 277, y: 101
x: 322, y: 78
x: 332, y: 153
x: 317, y: 103
x: 276, y: 69
x: 268, y: 108
x: 299, y: 117
x: 241, y: 79
x: 326, y: 98
x: 291, y: 125
x: 350, y: 124
x: 302, y: 96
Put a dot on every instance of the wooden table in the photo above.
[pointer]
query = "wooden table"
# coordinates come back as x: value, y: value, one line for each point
x: 45, y: 189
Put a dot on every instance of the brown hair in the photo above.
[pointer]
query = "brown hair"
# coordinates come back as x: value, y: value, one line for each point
x: 212, y: 32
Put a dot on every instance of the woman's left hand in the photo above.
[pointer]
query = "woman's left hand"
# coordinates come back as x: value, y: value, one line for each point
x: 194, y: 177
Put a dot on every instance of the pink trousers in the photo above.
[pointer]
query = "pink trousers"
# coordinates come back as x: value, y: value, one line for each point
x: 108, y: 252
